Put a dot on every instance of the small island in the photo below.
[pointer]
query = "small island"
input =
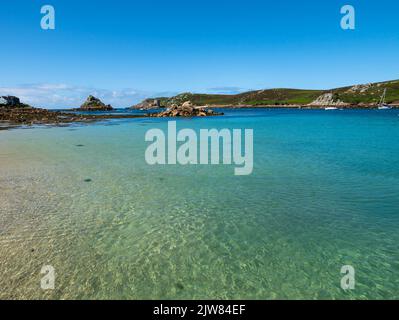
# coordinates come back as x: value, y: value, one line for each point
x: 94, y: 104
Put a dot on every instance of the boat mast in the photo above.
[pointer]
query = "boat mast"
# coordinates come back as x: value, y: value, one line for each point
x: 382, y: 101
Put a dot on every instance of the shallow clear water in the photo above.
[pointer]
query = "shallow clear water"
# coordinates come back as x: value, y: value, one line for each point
x: 324, y: 193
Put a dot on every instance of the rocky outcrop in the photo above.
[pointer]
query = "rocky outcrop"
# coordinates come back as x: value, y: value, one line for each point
x: 33, y: 116
x: 187, y: 105
x: 326, y: 100
x: 360, y: 88
x: 179, y: 99
x: 36, y: 116
x: 148, y: 104
x: 187, y: 109
x: 94, y: 104
x: 12, y: 102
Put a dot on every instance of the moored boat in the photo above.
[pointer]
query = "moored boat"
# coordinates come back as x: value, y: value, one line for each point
x: 382, y: 104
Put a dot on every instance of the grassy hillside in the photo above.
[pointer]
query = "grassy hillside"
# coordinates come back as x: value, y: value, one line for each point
x: 371, y: 95
x: 260, y: 97
x: 358, y: 94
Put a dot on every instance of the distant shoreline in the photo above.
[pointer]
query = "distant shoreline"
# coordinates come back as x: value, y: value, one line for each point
x: 295, y: 106
x: 367, y: 95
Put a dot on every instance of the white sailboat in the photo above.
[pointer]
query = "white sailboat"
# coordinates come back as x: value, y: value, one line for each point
x: 382, y: 104
x: 330, y: 108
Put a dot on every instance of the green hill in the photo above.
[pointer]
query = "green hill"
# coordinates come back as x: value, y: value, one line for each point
x: 358, y: 95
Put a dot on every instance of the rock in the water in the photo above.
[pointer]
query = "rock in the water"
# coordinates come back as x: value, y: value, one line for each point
x: 187, y: 109
x: 95, y: 104
x: 179, y: 286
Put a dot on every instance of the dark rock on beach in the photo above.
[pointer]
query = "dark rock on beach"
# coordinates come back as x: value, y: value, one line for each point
x: 34, y: 116
x: 94, y: 104
x: 29, y: 115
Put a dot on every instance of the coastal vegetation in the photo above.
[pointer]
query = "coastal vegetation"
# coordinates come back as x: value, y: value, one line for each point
x: 366, y: 95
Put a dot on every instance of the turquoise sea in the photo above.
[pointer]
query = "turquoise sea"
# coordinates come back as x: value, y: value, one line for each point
x: 324, y: 193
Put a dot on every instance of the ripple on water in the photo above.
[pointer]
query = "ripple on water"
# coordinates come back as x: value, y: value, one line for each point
x: 135, y: 231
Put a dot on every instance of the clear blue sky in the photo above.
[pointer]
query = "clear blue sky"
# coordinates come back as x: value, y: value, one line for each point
x: 126, y: 50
